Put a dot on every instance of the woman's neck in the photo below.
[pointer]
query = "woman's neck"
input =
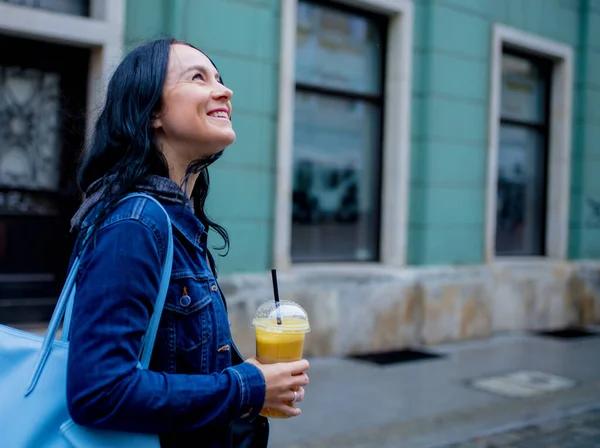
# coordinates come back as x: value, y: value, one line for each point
x: 179, y: 177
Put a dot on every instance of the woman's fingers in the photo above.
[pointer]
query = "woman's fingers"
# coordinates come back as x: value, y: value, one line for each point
x: 297, y: 367
x: 290, y: 411
x: 300, y: 380
x: 282, y: 379
x: 298, y: 396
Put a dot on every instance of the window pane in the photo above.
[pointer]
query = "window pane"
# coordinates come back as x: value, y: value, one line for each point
x: 75, y: 7
x: 336, y: 179
x: 523, y: 90
x: 338, y: 50
x: 521, y: 193
x: 29, y: 128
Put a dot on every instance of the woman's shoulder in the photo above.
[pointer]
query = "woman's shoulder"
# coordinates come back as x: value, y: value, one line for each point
x: 141, y: 208
x: 137, y: 207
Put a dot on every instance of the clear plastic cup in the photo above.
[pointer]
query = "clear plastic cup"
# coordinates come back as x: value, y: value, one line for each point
x: 279, y: 343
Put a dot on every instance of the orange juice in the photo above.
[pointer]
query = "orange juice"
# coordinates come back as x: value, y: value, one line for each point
x: 279, y: 343
x: 272, y: 347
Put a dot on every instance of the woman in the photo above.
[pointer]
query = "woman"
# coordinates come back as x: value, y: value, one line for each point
x: 167, y: 116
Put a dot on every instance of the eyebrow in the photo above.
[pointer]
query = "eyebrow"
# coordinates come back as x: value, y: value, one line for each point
x: 203, y: 70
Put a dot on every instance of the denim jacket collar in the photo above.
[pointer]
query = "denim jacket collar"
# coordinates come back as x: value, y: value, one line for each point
x: 162, y: 188
x: 188, y: 225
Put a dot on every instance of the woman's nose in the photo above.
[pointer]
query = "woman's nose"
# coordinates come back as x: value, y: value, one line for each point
x: 222, y: 93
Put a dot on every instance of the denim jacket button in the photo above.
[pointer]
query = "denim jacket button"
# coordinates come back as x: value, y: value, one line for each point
x: 213, y: 288
x: 185, y: 300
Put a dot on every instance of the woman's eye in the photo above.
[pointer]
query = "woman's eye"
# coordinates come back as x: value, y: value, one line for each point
x: 197, y: 77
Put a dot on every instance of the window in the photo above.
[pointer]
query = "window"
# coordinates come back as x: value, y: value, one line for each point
x: 523, y: 155
x: 529, y: 150
x: 337, y: 146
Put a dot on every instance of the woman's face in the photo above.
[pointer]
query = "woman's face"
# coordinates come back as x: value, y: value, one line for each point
x: 195, y: 121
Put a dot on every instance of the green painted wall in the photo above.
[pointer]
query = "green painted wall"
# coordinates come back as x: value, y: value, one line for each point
x: 584, y: 242
x: 452, y: 40
x: 450, y: 122
x: 242, y: 37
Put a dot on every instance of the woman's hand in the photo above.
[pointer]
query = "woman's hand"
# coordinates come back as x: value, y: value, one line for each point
x: 282, y: 380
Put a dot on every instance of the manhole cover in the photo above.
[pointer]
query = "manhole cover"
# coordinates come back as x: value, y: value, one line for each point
x: 569, y: 333
x: 541, y: 381
x: 396, y: 357
x: 523, y: 383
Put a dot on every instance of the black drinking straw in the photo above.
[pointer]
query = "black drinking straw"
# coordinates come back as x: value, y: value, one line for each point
x: 276, y: 295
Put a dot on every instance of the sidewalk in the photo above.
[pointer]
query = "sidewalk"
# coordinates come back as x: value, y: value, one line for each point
x: 433, y: 403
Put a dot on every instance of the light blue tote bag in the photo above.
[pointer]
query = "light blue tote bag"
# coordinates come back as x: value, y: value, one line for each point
x: 33, y: 402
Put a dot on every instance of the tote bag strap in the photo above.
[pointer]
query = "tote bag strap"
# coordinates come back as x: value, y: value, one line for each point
x: 64, y: 306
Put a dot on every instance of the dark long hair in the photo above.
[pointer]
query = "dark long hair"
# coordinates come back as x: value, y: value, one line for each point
x: 124, y: 149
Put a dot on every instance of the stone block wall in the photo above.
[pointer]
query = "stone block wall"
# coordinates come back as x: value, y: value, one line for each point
x: 366, y: 309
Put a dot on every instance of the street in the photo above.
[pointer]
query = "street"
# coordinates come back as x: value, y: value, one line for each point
x: 517, y: 390
x: 579, y: 430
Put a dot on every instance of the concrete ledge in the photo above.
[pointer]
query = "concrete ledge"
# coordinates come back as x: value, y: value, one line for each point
x: 365, y: 308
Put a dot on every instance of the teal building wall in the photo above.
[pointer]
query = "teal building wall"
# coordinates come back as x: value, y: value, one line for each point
x: 584, y: 234
x: 450, y: 106
x: 242, y: 38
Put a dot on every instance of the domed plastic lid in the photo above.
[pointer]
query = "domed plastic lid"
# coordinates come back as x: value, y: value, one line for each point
x: 294, y: 319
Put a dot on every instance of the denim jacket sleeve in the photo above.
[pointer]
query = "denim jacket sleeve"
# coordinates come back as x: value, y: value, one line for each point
x: 116, y: 288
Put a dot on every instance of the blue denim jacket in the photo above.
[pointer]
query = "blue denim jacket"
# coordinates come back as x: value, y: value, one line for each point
x: 197, y: 389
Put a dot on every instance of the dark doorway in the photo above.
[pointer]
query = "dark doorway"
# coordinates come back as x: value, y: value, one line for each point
x: 43, y: 89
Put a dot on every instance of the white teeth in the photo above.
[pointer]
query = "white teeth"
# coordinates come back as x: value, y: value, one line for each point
x: 219, y: 114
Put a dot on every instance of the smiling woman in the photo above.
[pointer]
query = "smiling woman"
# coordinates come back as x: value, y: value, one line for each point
x: 167, y: 117
x: 195, y: 120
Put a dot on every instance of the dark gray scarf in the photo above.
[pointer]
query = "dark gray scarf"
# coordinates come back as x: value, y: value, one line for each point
x: 160, y: 187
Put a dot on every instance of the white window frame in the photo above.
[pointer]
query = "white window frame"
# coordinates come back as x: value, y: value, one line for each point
x: 396, y: 134
x: 559, y: 144
x: 102, y: 32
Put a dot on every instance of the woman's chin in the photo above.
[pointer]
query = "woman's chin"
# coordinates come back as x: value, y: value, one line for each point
x: 221, y: 145
x: 229, y: 138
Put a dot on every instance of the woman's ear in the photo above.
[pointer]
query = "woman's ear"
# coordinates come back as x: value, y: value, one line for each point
x: 156, y: 122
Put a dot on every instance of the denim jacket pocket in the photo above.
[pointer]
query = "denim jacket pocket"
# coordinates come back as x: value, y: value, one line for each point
x: 189, y: 303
